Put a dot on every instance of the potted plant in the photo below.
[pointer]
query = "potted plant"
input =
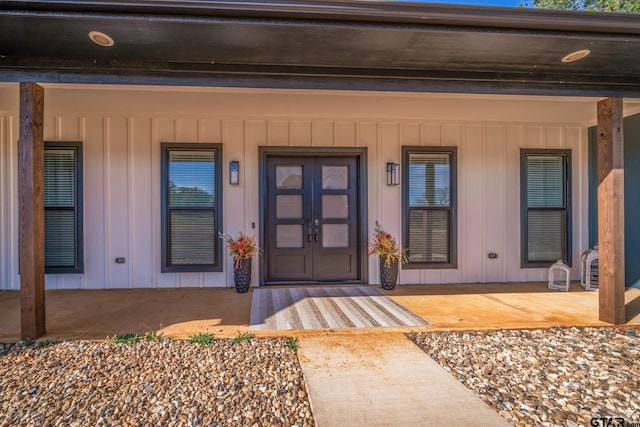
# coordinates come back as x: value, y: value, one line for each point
x: 242, y: 250
x: 391, y: 254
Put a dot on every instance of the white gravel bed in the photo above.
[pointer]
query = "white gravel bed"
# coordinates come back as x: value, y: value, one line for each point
x: 168, y: 383
x: 560, y: 376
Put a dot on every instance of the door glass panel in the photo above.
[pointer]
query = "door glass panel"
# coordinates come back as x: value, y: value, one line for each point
x: 335, y: 235
x: 289, y: 206
x: 335, y: 178
x: 335, y: 206
x: 289, y: 177
x: 288, y: 236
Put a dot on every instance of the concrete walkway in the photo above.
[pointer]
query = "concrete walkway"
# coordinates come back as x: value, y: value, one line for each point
x: 385, y: 381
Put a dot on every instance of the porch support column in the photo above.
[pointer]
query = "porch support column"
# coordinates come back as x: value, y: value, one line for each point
x: 611, y: 211
x: 31, y: 210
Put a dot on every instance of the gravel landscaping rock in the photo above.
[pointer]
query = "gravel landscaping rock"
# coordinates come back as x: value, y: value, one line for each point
x: 560, y: 376
x: 169, y: 383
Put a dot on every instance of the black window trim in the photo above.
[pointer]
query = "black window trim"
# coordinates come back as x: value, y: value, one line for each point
x: 165, y: 266
x: 566, y: 153
x: 453, y: 232
x: 79, y: 203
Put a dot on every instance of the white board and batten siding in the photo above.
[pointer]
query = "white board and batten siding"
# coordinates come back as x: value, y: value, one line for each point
x: 122, y: 131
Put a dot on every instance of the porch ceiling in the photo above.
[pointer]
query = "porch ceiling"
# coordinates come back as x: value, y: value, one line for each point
x: 321, y: 45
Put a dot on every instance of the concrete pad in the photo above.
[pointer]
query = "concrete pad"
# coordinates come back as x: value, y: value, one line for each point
x: 508, y: 305
x: 385, y: 381
x: 96, y: 314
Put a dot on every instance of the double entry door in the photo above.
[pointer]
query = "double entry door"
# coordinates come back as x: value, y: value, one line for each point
x: 311, y: 219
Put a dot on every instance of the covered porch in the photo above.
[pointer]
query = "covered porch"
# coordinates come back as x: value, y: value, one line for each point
x: 343, y: 47
x: 180, y: 313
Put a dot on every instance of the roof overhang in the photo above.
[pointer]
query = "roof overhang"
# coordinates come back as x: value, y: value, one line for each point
x: 380, y: 46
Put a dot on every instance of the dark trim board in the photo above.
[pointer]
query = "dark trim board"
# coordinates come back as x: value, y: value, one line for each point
x: 500, y: 83
x: 360, y: 153
x: 593, y: 185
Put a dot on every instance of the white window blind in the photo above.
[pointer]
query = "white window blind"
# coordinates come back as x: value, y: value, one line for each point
x: 429, y: 235
x: 545, y: 230
x: 429, y: 210
x: 192, y: 207
x: 546, y: 207
x: 60, y: 208
x: 545, y: 181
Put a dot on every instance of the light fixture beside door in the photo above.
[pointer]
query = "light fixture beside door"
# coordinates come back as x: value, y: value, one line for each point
x: 393, y: 177
x: 234, y: 172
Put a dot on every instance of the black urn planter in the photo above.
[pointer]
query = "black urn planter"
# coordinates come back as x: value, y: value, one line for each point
x: 388, y: 274
x: 242, y: 275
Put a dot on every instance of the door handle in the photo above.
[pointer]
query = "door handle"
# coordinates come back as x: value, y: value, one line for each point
x: 315, y: 231
x: 309, y: 232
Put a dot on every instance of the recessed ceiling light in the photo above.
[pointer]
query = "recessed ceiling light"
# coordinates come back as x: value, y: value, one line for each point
x: 101, y: 38
x: 576, y: 56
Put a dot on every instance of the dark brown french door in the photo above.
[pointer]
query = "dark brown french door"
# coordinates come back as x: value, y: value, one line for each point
x: 311, y: 220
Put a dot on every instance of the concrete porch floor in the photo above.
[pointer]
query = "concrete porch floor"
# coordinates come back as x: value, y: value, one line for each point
x: 96, y: 314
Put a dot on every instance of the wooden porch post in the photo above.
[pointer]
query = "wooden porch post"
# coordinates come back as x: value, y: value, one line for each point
x: 611, y: 211
x: 31, y: 210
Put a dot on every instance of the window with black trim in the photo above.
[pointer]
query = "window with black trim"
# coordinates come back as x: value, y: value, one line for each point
x: 545, y: 207
x: 429, y: 206
x: 191, y: 207
x: 63, y: 207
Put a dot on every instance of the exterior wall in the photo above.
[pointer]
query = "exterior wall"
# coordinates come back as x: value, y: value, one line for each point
x: 631, y: 128
x: 9, y: 278
x: 632, y: 200
x: 122, y: 130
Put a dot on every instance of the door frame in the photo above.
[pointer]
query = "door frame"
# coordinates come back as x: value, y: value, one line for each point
x: 359, y: 153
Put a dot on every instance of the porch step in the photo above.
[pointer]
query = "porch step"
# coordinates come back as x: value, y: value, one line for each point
x: 327, y: 307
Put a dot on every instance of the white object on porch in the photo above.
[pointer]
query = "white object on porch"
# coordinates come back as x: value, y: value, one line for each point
x: 589, y: 269
x: 559, y: 276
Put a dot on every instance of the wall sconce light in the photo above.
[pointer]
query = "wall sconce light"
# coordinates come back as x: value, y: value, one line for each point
x: 234, y: 172
x: 392, y: 174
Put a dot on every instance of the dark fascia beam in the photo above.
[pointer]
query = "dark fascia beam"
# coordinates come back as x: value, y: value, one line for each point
x: 198, y: 68
x: 352, y: 11
x: 186, y: 69
x: 433, y: 84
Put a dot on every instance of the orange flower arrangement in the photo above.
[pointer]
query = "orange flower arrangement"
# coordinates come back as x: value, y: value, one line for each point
x: 386, y: 246
x: 243, y: 247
